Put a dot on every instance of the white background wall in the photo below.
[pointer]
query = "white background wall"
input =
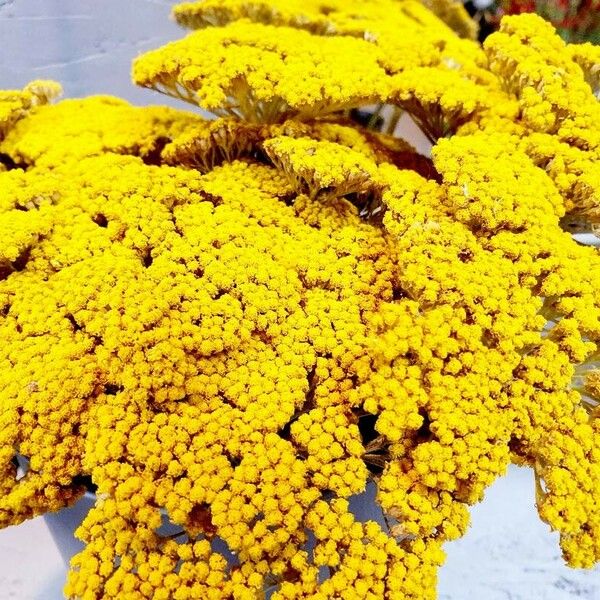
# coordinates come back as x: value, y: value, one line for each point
x: 88, y: 45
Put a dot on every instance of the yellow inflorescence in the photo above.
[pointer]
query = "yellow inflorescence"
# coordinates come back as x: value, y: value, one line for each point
x: 555, y: 85
x: 533, y: 62
x: 257, y: 72
x: 321, y: 167
x: 15, y: 104
x: 587, y: 56
x: 234, y: 327
x: 81, y: 128
x: 337, y: 16
x: 209, y: 143
x: 439, y: 100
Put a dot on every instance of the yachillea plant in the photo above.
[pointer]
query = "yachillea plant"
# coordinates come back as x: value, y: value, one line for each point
x: 236, y: 324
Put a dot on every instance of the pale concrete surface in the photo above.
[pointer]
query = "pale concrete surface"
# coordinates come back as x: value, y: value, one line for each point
x: 509, y: 554
x: 88, y: 45
x: 31, y: 567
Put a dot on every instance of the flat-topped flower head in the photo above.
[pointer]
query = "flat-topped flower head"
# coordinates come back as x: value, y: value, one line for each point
x: 80, y: 128
x: 574, y: 172
x: 14, y: 104
x: 587, y: 56
x: 211, y: 13
x: 491, y: 187
x: 440, y: 100
x: 409, y: 34
x: 212, y: 142
x: 535, y: 64
x: 265, y: 74
x: 335, y: 17
x: 321, y: 167
x: 207, y: 144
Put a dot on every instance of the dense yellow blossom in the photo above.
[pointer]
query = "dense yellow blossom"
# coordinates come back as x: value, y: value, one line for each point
x: 337, y: 17
x: 320, y: 167
x: 555, y: 87
x: 263, y: 73
x: 334, y: 449
x: 439, y: 100
x: 575, y: 172
x: 408, y: 34
x: 587, y: 56
x: 553, y: 94
x: 233, y: 327
x: 81, y: 128
x: 209, y: 143
x: 510, y: 194
x: 196, y: 15
x: 14, y: 104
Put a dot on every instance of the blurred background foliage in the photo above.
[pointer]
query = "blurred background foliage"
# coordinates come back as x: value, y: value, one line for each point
x: 576, y: 20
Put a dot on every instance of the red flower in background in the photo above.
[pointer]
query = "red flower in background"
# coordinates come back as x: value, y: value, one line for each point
x: 515, y: 7
x: 575, y: 20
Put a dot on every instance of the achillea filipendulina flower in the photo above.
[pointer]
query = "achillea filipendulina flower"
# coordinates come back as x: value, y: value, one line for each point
x: 81, y: 128
x: 337, y: 17
x: 439, y: 100
x: 552, y: 91
x: 320, y: 167
x: 575, y: 172
x: 14, y: 104
x: 211, y: 13
x: 510, y: 194
x: 265, y: 74
x: 211, y: 142
x: 587, y: 56
x: 238, y: 325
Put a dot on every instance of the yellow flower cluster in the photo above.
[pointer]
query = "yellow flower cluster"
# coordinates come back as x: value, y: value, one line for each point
x: 439, y: 99
x: 454, y: 14
x: 587, y: 56
x: 334, y: 449
x: 548, y: 408
x: 552, y: 92
x: 556, y: 88
x: 256, y: 72
x: 209, y: 143
x: 279, y: 66
x: 232, y: 328
x: 81, y: 128
x: 319, y: 167
x: 335, y: 17
x: 15, y: 104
